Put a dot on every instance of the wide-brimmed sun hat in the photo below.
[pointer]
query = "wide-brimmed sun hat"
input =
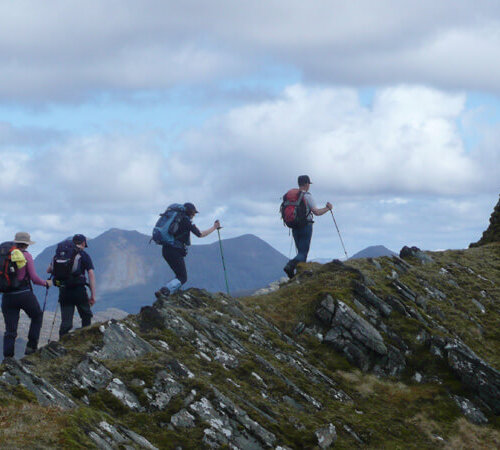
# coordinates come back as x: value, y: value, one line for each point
x: 23, y: 238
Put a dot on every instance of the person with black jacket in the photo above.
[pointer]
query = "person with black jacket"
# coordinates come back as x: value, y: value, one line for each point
x: 74, y: 294
x: 22, y: 297
x: 175, y: 253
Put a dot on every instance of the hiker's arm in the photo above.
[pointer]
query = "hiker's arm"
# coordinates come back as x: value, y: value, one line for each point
x: 30, y: 267
x: 214, y: 227
x: 92, y: 286
x: 321, y: 211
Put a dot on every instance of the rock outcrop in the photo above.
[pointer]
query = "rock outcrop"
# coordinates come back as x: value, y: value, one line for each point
x: 492, y: 233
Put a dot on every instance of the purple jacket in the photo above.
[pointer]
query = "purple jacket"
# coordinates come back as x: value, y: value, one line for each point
x: 30, y: 267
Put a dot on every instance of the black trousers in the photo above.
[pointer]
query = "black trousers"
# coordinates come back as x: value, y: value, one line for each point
x: 69, y: 298
x: 12, y: 303
x: 175, y: 259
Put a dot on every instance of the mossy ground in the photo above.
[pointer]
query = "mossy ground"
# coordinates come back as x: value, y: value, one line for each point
x: 384, y: 413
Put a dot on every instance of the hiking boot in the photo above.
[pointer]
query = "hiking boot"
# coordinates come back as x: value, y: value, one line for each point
x: 29, y: 350
x: 289, y: 270
x: 163, y: 292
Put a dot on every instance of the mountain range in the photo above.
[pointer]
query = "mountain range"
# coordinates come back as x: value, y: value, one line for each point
x: 129, y: 269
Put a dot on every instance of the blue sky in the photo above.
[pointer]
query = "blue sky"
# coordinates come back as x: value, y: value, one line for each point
x: 111, y: 111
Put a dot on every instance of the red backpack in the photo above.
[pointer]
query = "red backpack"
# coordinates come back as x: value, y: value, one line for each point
x: 8, y: 268
x: 293, y: 209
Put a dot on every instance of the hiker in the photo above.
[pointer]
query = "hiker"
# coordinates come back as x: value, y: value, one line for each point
x: 174, y: 250
x: 20, y: 294
x: 68, y: 268
x: 303, y: 225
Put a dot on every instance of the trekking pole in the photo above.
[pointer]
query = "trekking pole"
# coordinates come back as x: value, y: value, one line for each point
x: 338, y: 231
x: 52, y: 327
x: 290, y: 250
x: 45, y: 301
x: 223, y: 262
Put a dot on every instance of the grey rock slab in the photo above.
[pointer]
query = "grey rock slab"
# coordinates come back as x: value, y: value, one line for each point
x: 52, y: 350
x: 326, y: 436
x: 137, y: 439
x: 99, y: 442
x: 120, y: 342
x: 367, y: 295
x: 255, y: 429
x: 400, y: 264
x: 220, y: 333
x: 165, y: 387
x: 470, y: 411
x: 107, y: 436
x: 164, y: 315
x: 359, y: 328
x: 227, y: 360
x: 326, y: 310
x: 353, y: 433
x: 112, y: 433
x: 271, y: 369
x: 183, y: 419
x: 91, y: 374
x: 118, y: 389
x: 46, y: 394
x: 475, y: 373
x: 404, y: 290
x: 313, y: 374
x: 479, y: 305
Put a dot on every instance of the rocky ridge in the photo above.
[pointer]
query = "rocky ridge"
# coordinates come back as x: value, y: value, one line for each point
x: 371, y: 353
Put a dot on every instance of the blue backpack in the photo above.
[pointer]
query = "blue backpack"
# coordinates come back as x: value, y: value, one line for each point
x: 167, y: 226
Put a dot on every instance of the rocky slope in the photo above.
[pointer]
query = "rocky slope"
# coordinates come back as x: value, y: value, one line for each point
x: 492, y: 233
x: 375, y: 353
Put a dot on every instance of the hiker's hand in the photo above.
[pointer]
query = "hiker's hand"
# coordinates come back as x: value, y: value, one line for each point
x: 92, y: 301
x: 49, y: 283
x: 329, y: 206
x: 217, y: 225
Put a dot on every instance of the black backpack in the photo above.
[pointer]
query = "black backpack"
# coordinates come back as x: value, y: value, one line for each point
x: 8, y: 269
x: 67, y: 265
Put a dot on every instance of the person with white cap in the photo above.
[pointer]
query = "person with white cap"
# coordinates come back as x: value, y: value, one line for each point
x: 21, y: 297
x: 175, y: 253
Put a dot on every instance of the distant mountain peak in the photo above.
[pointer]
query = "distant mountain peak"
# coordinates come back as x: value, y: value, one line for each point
x: 374, y: 251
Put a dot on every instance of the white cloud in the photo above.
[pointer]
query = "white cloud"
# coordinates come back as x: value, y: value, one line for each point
x: 57, y: 50
x: 106, y: 171
x: 407, y: 142
x: 396, y: 172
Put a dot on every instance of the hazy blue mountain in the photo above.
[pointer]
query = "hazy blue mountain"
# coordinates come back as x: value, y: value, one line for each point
x: 129, y: 269
x: 373, y: 251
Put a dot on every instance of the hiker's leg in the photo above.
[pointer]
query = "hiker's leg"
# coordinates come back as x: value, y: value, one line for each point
x: 67, y: 312
x: 175, y: 260
x: 302, y: 238
x: 31, y: 307
x: 83, y: 306
x: 10, y: 312
x: 292, y: 263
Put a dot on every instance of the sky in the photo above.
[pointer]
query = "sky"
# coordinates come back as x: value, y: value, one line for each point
x: 112, y: 110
